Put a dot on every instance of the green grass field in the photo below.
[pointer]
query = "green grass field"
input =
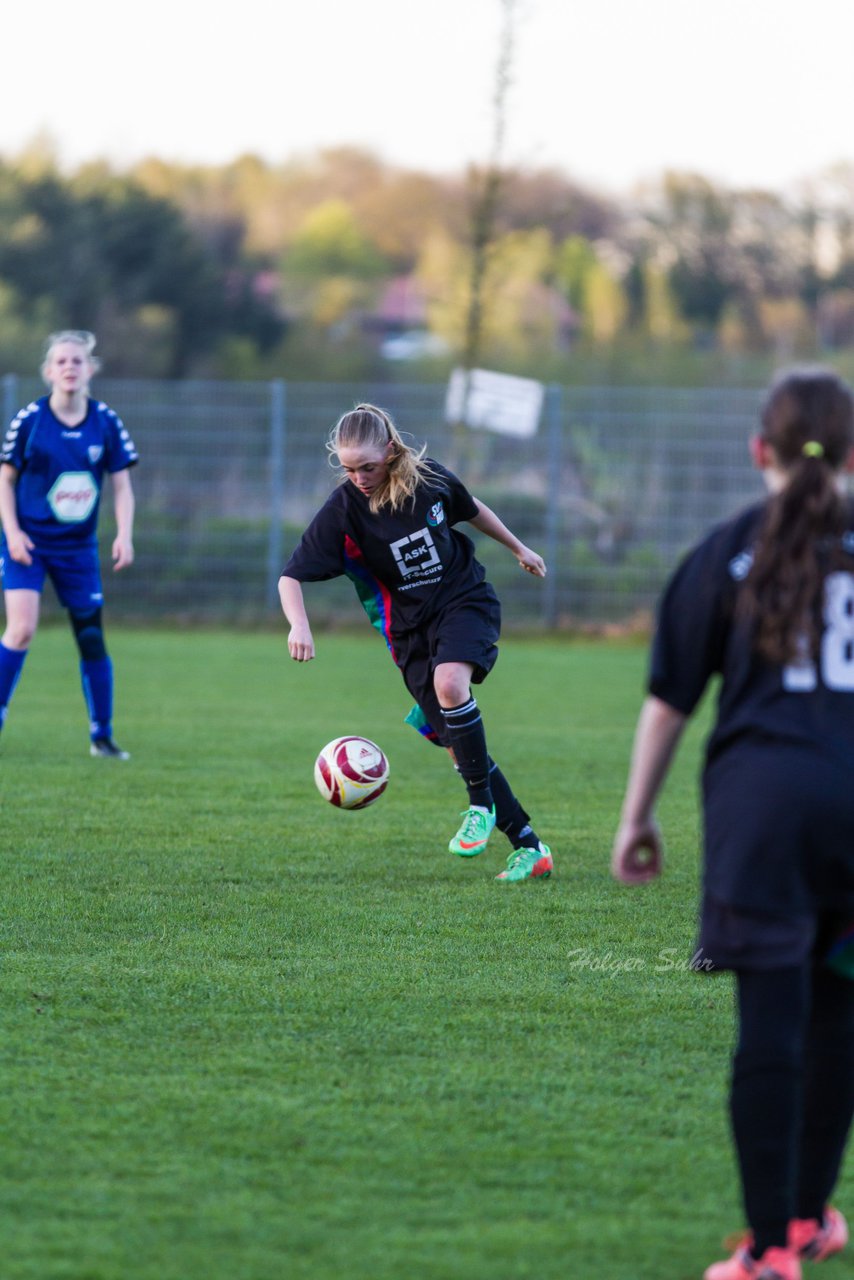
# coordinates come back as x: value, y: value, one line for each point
x: 248, y: 1037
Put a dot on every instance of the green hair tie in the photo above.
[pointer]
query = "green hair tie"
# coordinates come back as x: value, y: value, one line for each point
x: 813, y: 449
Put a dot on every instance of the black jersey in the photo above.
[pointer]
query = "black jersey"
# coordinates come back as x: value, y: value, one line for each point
x: 778, y: 807
x: 406, y: 566
x: 698, y: 635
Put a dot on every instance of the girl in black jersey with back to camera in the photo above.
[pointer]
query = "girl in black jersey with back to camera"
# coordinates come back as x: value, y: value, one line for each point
x: 767, y: 602
x: 389, y: 526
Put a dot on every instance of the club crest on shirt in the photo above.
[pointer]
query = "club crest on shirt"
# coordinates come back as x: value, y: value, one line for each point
x: 95, y: 451
x: 739, y: 566
x: 436, y: 514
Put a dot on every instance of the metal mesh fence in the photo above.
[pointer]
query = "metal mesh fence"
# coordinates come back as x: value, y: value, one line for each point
x: 614, y: 486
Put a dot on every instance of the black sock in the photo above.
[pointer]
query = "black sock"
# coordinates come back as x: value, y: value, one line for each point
x: 765, y: 1098
x: 468, y: 742
x: 510, y: 817
x: 828, y: 1090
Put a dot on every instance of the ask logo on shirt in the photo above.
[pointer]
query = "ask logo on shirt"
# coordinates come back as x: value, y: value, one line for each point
x: 416, y: 553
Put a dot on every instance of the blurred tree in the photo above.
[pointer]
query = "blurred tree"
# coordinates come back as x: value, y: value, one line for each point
x: 137, y: 342
x: 486, y: 189
x: 23, y: 331
x: 98, y: 248
x: 523, y: 316
x: 660, y: 318
x: 547, y: 199
x: 400, y: 213
x: 575, y: 260
x: 592, y: 288
x: 786, y: 326
x: 441, y: 273
x: 191, y: 269
x: 835, y: 318
x: 725, y: 252
x: 331, y: 270
x: 330, y: 243
x: 693, y: 217
x: 606, y: 306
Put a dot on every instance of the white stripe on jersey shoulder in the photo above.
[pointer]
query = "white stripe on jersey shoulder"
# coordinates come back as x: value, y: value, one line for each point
x: 103, y: 407
x: 22, y: 414
x: 16, y: 424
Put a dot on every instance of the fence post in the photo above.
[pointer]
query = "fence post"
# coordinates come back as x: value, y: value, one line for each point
x: 554, y: 442
x: 10, y: 400
x: 277, y: 489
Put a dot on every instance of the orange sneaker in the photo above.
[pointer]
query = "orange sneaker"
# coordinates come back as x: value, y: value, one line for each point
x: 775, y: 1264
x: 816, y: 1240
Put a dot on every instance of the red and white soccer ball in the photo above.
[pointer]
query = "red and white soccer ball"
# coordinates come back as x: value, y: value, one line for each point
x: 351, y: 773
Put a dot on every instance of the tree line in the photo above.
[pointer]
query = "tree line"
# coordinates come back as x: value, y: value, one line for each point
x: 254, y: 270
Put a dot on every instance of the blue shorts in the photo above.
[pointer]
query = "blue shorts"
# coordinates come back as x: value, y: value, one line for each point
x: 75, y: 574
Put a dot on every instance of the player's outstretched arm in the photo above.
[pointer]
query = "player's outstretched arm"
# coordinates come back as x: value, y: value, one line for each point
x: 486, y: 521
x: 637, y: 853
x: 300, y: 640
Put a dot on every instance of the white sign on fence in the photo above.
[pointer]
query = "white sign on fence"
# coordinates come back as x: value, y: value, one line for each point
x: 494, y: 402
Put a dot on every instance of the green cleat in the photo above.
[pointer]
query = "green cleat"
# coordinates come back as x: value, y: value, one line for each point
x: 473, y: 834
x: 528, y: 864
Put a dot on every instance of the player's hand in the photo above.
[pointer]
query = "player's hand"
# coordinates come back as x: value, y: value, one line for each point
x: 531, y: 562
x: 637, y: 853
x: 20, y: 547
x: 301, y: 643
x: 122, y: 553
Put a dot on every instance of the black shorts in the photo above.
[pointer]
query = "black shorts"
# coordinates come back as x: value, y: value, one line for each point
x: 778, y: 825
x: 466, y: 631
x: 734, y: 938
x: 778, y: 853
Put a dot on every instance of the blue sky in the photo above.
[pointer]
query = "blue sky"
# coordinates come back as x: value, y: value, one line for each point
x: 749, y: 92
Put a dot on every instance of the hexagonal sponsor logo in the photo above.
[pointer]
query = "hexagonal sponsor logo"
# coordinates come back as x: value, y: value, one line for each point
x: 73, y: 496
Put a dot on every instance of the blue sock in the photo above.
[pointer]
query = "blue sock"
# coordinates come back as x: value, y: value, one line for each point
x: 11, y: 662
x: 97, y: 678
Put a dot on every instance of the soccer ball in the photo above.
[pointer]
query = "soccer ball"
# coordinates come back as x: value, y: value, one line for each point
x: 351, y: 773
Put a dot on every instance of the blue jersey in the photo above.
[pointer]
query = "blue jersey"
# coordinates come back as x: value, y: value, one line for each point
x: 61, y: 469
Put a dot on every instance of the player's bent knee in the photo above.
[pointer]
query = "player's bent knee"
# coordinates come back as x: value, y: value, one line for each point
x: 452, y: 688
x: 89, y: 634
x: 18, y: 636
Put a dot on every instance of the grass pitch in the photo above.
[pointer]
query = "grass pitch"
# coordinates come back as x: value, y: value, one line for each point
x: 246, y: 1036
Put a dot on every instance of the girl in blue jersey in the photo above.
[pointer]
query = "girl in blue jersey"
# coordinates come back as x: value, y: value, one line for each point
x: 389, y: 526
x: 52, y: 464
x: 767, y: 602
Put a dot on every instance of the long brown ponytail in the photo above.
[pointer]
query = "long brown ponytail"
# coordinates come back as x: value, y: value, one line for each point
x: 808, y: 421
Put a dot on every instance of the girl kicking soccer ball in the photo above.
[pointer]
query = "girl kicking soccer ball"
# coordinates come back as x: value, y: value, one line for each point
x: 389, y: 526
x: 767, y: 601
